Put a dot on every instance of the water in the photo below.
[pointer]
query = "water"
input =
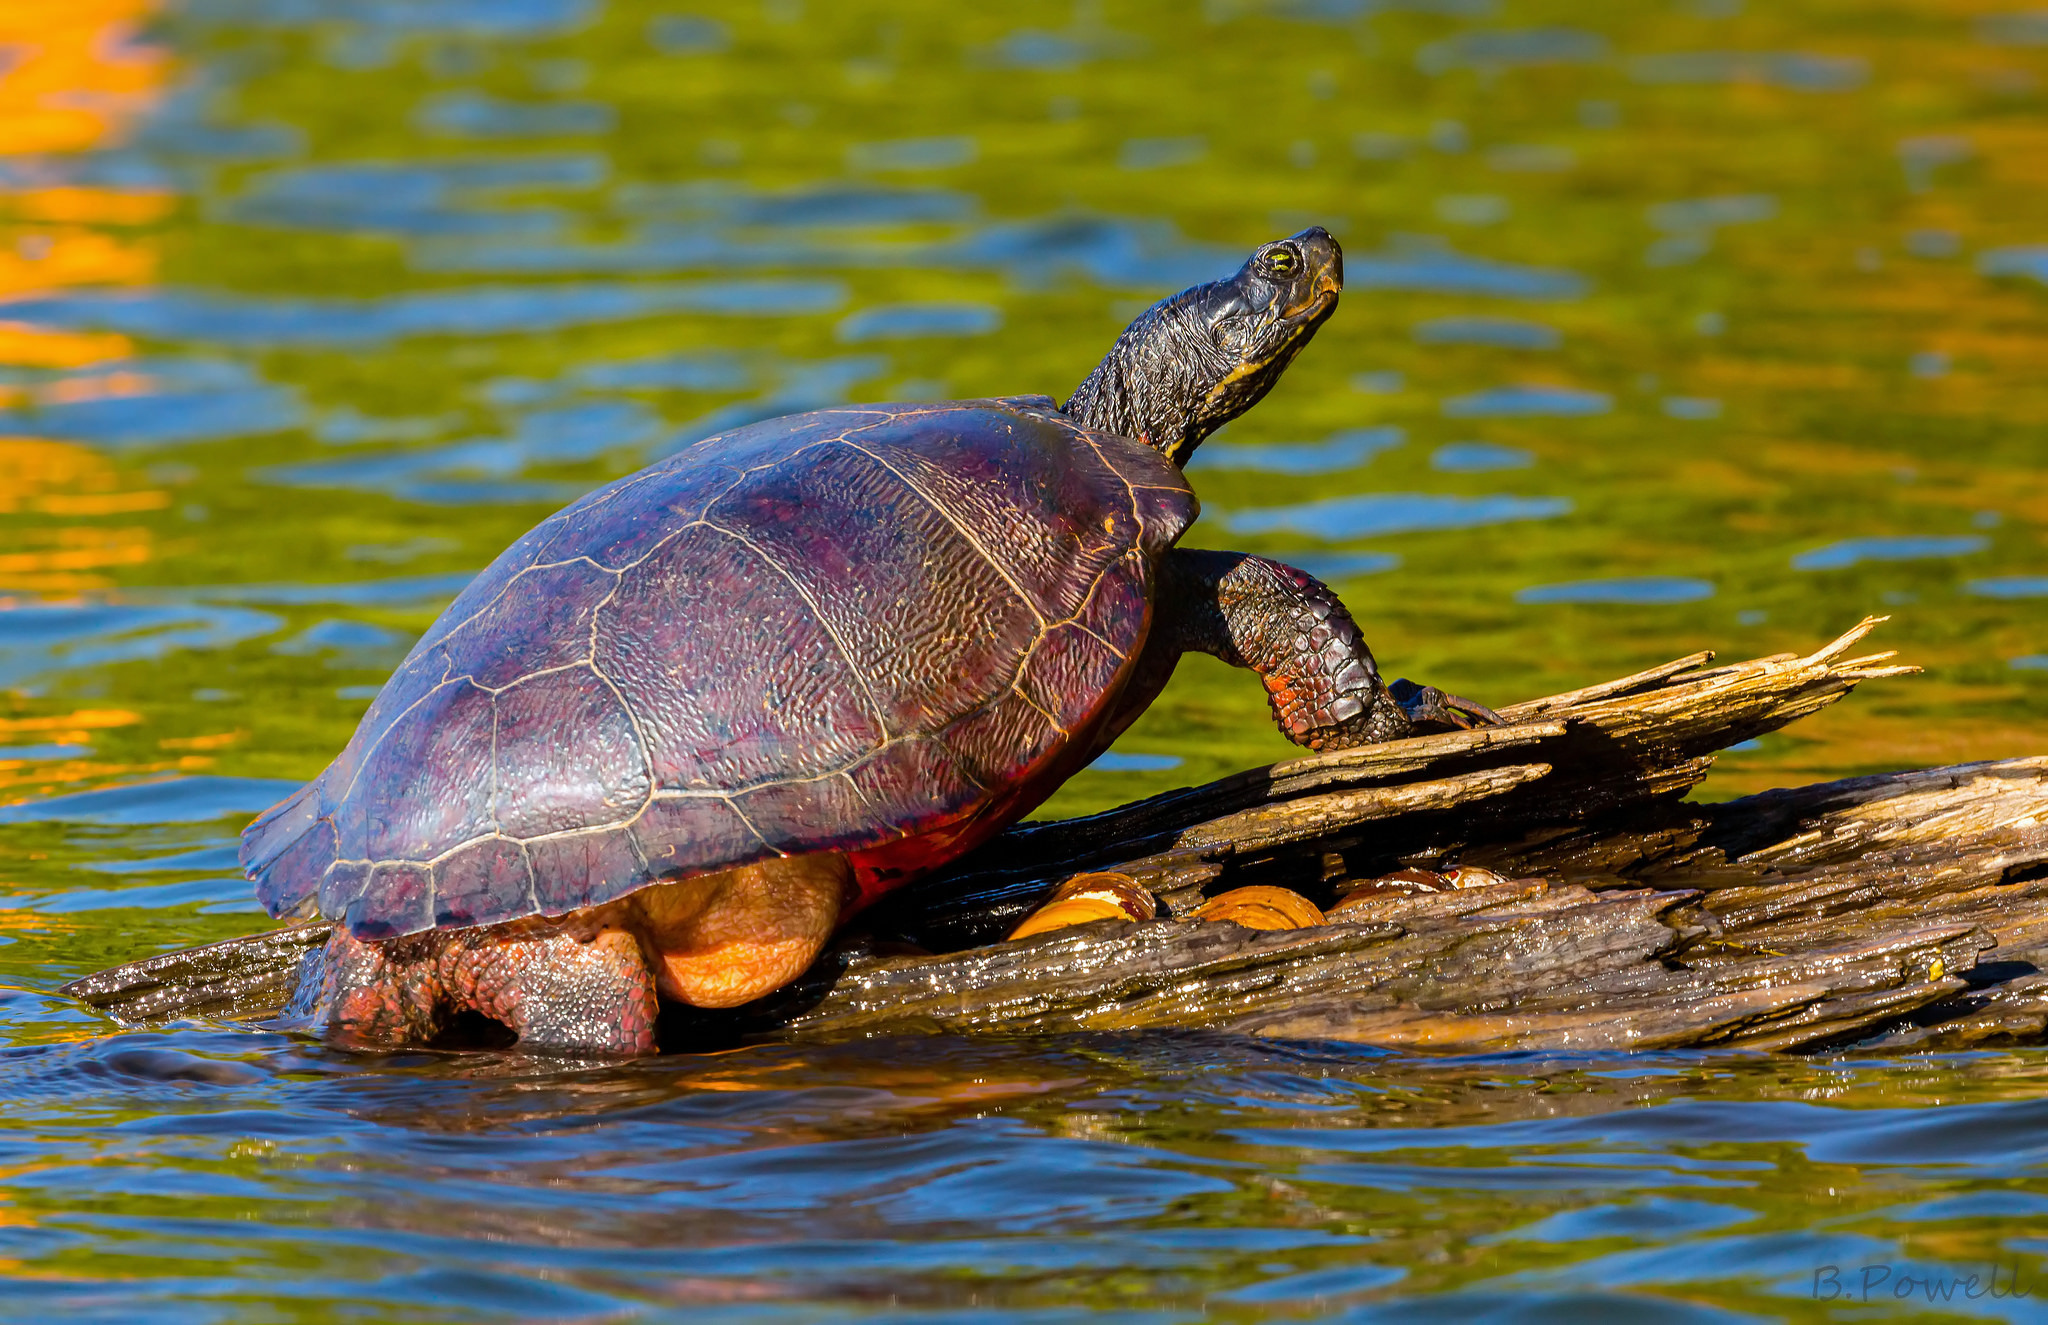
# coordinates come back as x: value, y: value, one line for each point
x: 1667, y: 326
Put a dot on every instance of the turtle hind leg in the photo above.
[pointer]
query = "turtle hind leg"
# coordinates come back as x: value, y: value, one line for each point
x: 378, y: 994
x: 561, y: 988
x: 556, y: 987
x: 1291, y: 628
x: 720, y: 940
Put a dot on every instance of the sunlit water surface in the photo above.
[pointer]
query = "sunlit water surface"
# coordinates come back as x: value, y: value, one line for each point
x: 1667, y: 326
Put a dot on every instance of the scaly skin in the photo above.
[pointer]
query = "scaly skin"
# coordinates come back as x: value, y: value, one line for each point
x: 1289, y: 627
x: 557, y: 985
x: 589, y: 981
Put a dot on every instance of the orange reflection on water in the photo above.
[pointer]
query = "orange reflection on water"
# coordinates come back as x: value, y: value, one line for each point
x: 47, y: 347
x: 23, y: 778
x: 74, y: 74
x: 72, y: 78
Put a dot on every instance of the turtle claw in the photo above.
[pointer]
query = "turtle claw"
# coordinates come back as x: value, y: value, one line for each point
x: 1430, y: 709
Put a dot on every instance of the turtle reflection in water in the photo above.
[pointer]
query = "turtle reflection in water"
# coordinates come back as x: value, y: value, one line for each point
x: 676, y: 734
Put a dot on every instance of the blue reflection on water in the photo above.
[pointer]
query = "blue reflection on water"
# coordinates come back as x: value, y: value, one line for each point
x: 38, y: 638
x: 1627, y: 589
x: 348, y: 643
x: 479, y: 115
x: 1508, y: 332
x: 400, y: 591
x: 2011, y: 586
x: 1850, y: 551
x: 804, y: 386
x: 2022, y: 260
x: 839, y: 205
x: 1318, y: 1286
x: 1645, y: 1219
x: 1479, y: 458
x: 689, y: 34
x: 475, y: 310
x: 1118, y: 761
x: 477, y: 18
x: 1373, y: 513
x: 1715, y: 212
x: 1528, y: 401
x: 1342, y: 450
x: 1036, y: 48
x: 486, y: 470
x: 221, y: 856
x: 1341, y: 565
x: 1442, y: 269
x: 169, y: 800
x: 1793, y: 70
x: 711, y: 370
x: 40, y: 753
x: 416, y: 198
x: 159, y: 402
x: 1501, y: 49
x: 936, y: 153
x: 909, y: 321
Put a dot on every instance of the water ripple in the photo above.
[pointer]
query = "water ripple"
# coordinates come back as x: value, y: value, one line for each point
x: 1374, y: 513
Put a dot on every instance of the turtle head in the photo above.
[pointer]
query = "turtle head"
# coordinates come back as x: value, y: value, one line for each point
x: 1192, y: 363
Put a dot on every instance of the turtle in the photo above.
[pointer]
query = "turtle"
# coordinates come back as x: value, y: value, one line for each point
x: 675, y: 735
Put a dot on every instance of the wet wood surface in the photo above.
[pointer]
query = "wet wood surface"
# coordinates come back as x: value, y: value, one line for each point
x: 1595, y: 909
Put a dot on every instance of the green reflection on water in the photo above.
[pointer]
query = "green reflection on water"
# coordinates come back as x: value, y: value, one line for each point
x: 340, y: 297
x: 1732, y: 265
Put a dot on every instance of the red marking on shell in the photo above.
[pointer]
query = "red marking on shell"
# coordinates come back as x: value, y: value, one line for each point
x: 692, y: 834
x: 1068, y: 673
x: 924, y: 621
x: 542, y: 619
x: 998, y: 743
x: 918, y: 781
x: 343, y: 882
x: 427, y: 784
x: 584, y: 869
x: 734, y: 679
x: 397, y: 900
x: 489, y: 877
x: 811, y: 813
x: 294, y: 871
x: 567, y: 756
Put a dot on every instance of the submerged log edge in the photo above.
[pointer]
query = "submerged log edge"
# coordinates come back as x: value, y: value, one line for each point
x: 1902, y: 911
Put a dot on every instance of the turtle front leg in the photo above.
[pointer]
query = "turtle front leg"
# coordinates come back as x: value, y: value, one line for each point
x: 1291, y: 628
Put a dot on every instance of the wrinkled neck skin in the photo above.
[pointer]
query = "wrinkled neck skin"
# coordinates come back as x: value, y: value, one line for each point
x: 1189, y: 365
x: 1153, y: 381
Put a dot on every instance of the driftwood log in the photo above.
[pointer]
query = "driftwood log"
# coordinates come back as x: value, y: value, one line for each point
x: 1904, y: 910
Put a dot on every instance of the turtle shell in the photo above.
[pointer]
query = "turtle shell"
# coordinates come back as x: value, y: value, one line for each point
x: 884, y: 630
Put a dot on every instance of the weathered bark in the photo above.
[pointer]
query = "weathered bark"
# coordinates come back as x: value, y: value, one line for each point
x: 1625, y: 919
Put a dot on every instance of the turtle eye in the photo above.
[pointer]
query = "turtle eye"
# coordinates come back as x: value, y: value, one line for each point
x: 1283, y: 262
